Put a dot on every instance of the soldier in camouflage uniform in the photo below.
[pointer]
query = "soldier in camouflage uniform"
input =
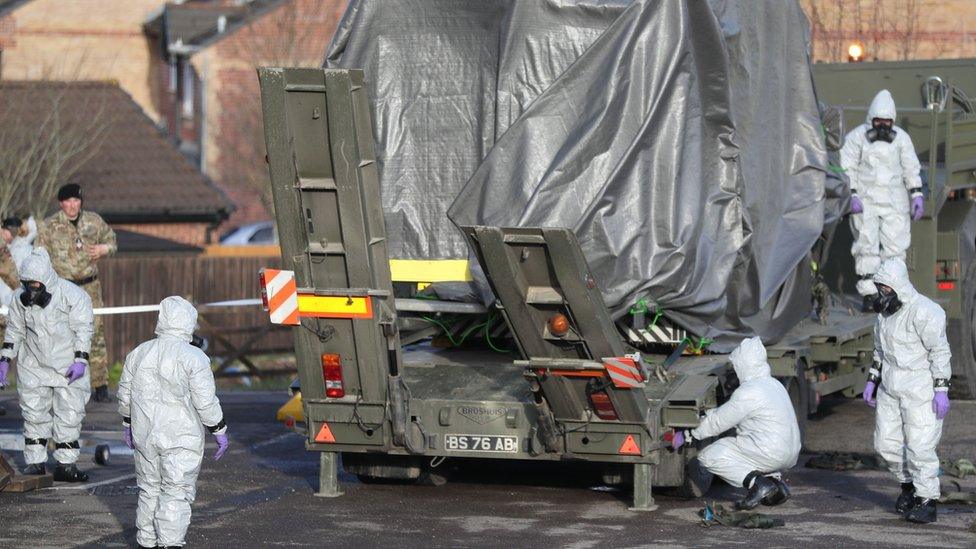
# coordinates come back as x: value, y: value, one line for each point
x: 76, y: 240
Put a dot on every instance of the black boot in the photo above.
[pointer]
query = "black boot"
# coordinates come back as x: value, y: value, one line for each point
x: 922, y: 512
x: 780, y: 496
x: 101, y: 394
x: 762, y: 487
x: 905, y: 500
x: 69, y: 473
x: 867, y: 306
x: 35, y: 469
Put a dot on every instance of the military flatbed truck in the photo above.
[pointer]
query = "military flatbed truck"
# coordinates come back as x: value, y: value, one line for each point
x: 566, y: 395
x: 578, y: 392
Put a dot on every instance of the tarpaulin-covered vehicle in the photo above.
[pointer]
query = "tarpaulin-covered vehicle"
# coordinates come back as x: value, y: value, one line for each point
x: 622, y: 174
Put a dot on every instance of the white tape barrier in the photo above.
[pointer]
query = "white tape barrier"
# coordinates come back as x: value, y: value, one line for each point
x: 155, y: 308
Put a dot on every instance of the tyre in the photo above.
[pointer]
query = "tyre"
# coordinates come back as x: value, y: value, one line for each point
x: 962, y: 339
x: 382, y: 469
x: 799, y: 390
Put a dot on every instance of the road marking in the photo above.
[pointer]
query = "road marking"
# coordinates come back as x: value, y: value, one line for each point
x: 272, y: 440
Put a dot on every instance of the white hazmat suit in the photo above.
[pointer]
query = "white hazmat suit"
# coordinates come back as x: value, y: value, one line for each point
x: 47, y: 340
x: 167, y: 395
x: 882, y: 175
x: 912, y: 349
x: 767, y: 436
x: 22, y: 246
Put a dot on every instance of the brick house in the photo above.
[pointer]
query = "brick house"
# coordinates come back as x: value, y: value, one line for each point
x: 212, y: 49
x: 892, y: 30
x: 134, y: 176
x: 82, y: 40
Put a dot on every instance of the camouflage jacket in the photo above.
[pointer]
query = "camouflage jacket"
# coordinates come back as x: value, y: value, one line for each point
x: 8, y: 269
x: 65, y: 243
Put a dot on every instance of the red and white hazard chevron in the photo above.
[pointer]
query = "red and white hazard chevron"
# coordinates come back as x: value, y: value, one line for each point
x: 623, y: 372
x: 280, y: 294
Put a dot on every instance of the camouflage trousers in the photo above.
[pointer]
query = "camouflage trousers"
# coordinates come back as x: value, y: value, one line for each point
x: 98, y: 357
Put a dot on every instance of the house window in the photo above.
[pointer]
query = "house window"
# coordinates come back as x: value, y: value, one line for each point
x: 173, y: 76
x: 189, y: 85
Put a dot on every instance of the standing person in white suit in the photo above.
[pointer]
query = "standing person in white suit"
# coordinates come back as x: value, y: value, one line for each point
x: 167, y: 399
x: 886, y: 189
x: 909, y: 385
x: 49, y: 327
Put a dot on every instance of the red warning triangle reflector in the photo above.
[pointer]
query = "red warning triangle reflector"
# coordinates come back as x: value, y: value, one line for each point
x: 629, y: 447
x: 325, y: 434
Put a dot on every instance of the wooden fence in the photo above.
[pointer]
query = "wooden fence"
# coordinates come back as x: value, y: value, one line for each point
x: 200, y: 279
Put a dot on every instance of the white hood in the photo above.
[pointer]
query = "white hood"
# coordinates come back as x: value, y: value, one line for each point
x: 749, y: 360
x: 177, y: 318
x: 894, y: 273
x: 882, y: 106
x: 38, y: 267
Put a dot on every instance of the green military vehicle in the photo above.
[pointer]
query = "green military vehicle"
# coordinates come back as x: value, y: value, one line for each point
x: 576, y: 391
x: 935, y: 110
x: 580, y: 385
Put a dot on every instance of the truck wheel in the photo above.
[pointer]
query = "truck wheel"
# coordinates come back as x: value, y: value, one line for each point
x: 697, y: 479
x: 382, y: 469
x: 799, y: 392
x: 799, y: 403
x: 962, y: 338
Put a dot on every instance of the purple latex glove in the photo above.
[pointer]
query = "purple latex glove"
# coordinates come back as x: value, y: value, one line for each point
x: 75, y: 371
x: 940, y: 404
x: 918, y: 208
x: 868, y: 395
x: 4, y: 369
x: 127, y: 437
x: 856, y: 205
x: 678, y: 441
x: 222, y: 444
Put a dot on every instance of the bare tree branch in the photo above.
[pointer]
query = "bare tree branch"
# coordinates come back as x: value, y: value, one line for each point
x: 45, y: 138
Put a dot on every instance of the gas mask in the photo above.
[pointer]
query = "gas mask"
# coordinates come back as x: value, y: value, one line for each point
x: 887, y: 303
x: 881, y: 130
x: 34, y: 294
x: 199, y: 342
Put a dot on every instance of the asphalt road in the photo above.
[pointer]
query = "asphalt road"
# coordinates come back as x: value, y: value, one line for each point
x: 262, y: 493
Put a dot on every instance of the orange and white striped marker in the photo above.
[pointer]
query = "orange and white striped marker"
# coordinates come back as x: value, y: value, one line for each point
x: 623, y: 372
x: 281, y: 294
x: 286, y: 305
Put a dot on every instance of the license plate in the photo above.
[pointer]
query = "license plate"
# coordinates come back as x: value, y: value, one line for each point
x: 481, y: 443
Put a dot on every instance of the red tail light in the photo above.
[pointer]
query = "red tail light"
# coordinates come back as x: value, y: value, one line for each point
x: 600, y: 401
x: 332, y: 373
x: 947, y: 286
x: 264, y: 290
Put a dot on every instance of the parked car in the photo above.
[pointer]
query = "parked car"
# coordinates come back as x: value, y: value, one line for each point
x: 260, y: 233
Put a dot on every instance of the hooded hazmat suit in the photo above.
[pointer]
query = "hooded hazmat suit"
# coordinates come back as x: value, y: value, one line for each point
x: 913, y: 353
x: 47, y: 340
x: 167, y: 395
x: 22, y: 245
x: 767, y: 436
x: 882, y: 175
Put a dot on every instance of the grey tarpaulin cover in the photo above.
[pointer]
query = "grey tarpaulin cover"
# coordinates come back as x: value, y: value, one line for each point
x: 680, y: 139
